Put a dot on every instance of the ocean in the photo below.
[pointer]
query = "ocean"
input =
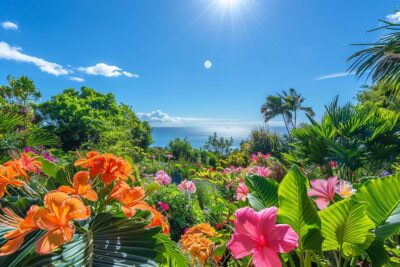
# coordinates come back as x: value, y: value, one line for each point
x: 197, y: 136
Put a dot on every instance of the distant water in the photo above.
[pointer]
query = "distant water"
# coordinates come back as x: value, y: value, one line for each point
x: 197, y: 136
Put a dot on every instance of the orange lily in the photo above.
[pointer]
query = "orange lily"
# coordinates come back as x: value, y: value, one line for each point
x: 87, y: 162
x: 55, y: 218
x: 16, y: 237
x: 158, y: 220
x: 108, y: 166
x: 7, y: 177
x: 80, y: 186
x: 23, y: 164
x: 131, y: 198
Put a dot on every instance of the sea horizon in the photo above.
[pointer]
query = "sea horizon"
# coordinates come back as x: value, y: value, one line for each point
x: 198, y: 135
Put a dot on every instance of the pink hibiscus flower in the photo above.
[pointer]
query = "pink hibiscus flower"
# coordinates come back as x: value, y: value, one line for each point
x: 257, y: 233
x: 324, y: 190
x: 187, y: 186
x: 261, y: 171
x: 162, y: 178
x: 241, y: 192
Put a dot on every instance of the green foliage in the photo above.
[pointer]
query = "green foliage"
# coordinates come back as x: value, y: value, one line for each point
x: 181, y: 149
x: 264, y: 141
x: 20, y: 92
x: 351, y: 136
x: 263, y: 192
x: 297, y: 210
x: 346, y: 227
x: 94, y: 118
x: 185, y: 212
x: 383, y: 199
x: 221, y: 146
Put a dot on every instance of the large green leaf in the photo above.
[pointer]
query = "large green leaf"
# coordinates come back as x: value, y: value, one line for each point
x: 346, y: 226
x: 383, y: 198
x: 263, y: 192
x: 169, y: 253
x: 297, y: 210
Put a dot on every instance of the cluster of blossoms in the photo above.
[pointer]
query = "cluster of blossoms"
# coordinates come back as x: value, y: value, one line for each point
x: 257, y: 234
x: 162, y: 178
x: 18, y: 168
x: 187, y: 186
x: 259, y: 157
x: 325, y: 190
x: 260, y: 170
x: 63, y: 206
x: 196, y: 241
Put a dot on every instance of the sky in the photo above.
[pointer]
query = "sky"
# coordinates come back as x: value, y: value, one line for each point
x: 181, y: 62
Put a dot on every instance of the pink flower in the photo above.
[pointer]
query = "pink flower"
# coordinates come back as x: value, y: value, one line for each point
x: 241, y: 192
x: 261, y: 171
x: 324, y: 190
x: 164, y: 206
x: 162, y: 178
x: 345, y: 189
x: 253, y: 158
x: 257, y: 233
x: 187, y: 186
x: 169, y: 156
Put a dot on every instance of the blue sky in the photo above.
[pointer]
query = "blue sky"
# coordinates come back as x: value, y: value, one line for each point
x: 151, y: 53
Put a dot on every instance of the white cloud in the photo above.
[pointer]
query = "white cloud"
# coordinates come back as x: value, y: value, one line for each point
x: 394, y: 18
x: 14, y: 53
x: 207, y: 64
x: 77, y: 79
x: 159, y: 118
x: 333, y: 75
x: 8, y: 25
x: 106, y: 70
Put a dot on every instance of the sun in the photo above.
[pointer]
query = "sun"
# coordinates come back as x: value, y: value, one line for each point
x: 230, y: 3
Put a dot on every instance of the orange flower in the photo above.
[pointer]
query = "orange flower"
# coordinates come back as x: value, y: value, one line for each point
x: 198, y: 246
x: 158, y: 220
x: 23, y: 164
x: 88, y: 161
x: 108, y: 166
x: 131, y: 198
x: 80, y: 186
x: 7, y: 177
x: 203, y: 228
x: 15, y: 237
x: 55, y: 218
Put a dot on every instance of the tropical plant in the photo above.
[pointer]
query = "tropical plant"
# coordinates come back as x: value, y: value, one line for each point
x: 287, y: 105
x: 352, y: 137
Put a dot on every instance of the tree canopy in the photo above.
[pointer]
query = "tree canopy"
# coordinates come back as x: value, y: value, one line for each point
x: 89, y: 117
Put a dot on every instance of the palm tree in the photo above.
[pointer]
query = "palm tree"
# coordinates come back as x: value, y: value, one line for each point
x: 294, y: 102
x: 274, y: 106
x: 381, y: 60
x: 286, y: 105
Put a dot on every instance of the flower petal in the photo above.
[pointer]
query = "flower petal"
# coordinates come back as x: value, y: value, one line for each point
x: 247, y: 222
x: 267, y: 220
x: 241, y: 245
x: 90, y: 195
x: 266, y: 257
x: 50, y: 241
x: 283, y: 239
x: 322, y: 203
x: 11, y: 245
